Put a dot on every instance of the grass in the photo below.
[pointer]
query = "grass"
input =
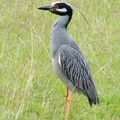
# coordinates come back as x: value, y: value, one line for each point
x: 29, y: 89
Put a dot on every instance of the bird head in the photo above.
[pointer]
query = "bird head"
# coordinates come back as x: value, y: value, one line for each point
x: 59, y: 8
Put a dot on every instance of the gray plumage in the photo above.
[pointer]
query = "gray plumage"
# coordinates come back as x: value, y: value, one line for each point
x: 68, y: 61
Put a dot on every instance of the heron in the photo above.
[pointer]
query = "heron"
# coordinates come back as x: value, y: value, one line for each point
x: 67, y: 59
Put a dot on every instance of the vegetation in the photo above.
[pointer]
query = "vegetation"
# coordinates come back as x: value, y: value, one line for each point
x: 29, y: 89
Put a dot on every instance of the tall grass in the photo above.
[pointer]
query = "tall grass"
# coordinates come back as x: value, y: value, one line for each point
x: 29, y: 89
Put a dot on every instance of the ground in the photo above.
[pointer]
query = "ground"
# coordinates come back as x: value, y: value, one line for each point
x: 29, y: 89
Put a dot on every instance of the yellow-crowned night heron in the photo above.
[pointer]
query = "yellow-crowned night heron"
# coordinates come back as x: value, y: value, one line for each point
x: 67, y: 58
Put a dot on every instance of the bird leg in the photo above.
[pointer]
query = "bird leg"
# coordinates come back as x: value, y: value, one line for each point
x: 67, y: 103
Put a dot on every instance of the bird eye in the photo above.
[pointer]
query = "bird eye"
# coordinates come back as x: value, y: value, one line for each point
x: 55, y: 7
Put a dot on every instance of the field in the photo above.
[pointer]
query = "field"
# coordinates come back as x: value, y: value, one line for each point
x: 29, y: 88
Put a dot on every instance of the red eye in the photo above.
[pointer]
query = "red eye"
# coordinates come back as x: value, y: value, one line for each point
x: 55, y: 7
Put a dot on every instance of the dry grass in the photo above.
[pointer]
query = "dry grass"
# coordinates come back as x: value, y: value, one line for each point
x: 29, y: 89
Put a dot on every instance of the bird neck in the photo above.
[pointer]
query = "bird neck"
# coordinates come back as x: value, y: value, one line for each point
x: 59, y: 34
x: 63, y: 21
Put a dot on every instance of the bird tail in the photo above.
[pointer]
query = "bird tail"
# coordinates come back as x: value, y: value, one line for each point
x: 93, y: 100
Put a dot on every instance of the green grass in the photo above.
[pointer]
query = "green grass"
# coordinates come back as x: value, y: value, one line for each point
x: 29, y: 89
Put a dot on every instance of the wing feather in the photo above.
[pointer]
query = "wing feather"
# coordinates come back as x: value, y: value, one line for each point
x: 75, y: 67
x: 77, y: 71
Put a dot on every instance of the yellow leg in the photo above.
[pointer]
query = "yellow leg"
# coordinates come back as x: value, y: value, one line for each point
x: 67, y: 103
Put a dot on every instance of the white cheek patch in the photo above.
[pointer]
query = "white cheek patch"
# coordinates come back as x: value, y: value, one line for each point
x: 62, y: 10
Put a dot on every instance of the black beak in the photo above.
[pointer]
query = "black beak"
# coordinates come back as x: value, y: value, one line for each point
x: 45, y: 8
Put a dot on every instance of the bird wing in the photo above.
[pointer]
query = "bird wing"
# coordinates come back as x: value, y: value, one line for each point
x: 76, y: 69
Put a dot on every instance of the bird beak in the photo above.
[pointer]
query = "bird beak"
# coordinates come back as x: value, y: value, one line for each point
x: 45, y: 8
